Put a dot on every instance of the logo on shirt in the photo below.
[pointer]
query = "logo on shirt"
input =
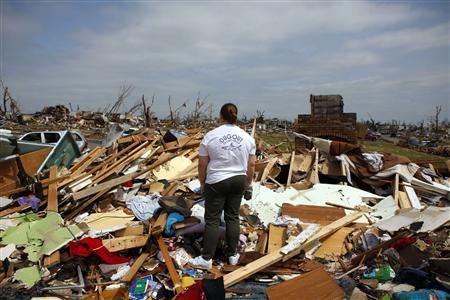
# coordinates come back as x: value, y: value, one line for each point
x: 231, y: 142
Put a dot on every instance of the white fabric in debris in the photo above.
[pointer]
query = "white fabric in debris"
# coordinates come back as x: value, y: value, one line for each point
x: 347, y: 163
x: 374, y: 160
x: 301, y: 238
x: 286, y: 220
x: 406, y: 172
x: 143, y: 207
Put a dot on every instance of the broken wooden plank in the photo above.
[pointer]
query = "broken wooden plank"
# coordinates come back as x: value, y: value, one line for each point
x: 270, y: 259
x: 291, y: 167
x: 403, y: 200
x: 125, y: 242
x: 169, y: 264
x: 160, y: 224
x: 135, y: 267
x: 277, y: 238
x: 396, y: 185
x: 317, y: 284
x: 272, y: 162
x: 261, y: 245
x: 52, y: 198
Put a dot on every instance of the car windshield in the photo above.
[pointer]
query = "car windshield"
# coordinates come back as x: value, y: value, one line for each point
x: 33, y: 137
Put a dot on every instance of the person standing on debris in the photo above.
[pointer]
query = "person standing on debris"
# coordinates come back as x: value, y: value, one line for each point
x: 225, y: 170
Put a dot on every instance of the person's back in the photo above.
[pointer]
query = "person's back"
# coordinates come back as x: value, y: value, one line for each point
x: 225, y: 170
x: 228, y: 148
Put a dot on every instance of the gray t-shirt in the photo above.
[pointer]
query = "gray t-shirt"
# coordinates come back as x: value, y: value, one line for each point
x: 228, y: 148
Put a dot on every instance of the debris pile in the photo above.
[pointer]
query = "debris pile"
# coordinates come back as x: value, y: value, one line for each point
x: 122, y: 220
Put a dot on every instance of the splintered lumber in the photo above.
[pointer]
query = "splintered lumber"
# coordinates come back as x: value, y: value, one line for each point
x: 306, y: 164
x: 314, y: 173
x: 403, y: 200
x: 12, y: 210
x: 89, y: 202
x: 316, y: 284
x: 107, y: 185
x: 291, y: 167
x: 253, y: 129
x: 333, y: 245
x: 101, y: 187
x: 52, y: 205
x: 52, y: 198
x: 270, y: 259
x: 87, y: 160
x: 261, y: 245
x: 169, y: 264
x: 277, y: 238
x: 396, y: 185
x: 126, y: 242
x: 272, y: 162
x: 135, y: 267
x: 160, y: 224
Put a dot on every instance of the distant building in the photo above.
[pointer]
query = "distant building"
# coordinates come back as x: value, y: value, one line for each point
x: 327, y: 120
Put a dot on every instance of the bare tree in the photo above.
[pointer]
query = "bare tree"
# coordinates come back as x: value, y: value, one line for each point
x: 438, y: 112
x: 147, y: 111
x: 8, y: 99
x: 124, y: 92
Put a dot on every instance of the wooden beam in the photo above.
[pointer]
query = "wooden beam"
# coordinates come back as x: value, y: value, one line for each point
x: 125, y: 242
x: 253, y: 129
x: 160, y: 224
x: 269, y: 259
x: 396, y: 184
x: 135, y: 268
x: 52, y: 198
x: 291, y: 167
x: 272, y: 162
x: 169, y: 264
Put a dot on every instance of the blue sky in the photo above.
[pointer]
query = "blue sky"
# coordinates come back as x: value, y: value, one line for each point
x: 389, y: 59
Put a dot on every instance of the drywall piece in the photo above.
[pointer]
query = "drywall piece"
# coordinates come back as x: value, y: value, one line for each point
x: 384, y: 209
x: 99, y: 223
x: 6, y: 251
x: 29, y: 276
x: 41, y: 237
x: 313, y: 214
x: 432, y: 218
x: 316, y: 284
x: 333, y: 245
x: 267, y: 202
x: 172, y: 168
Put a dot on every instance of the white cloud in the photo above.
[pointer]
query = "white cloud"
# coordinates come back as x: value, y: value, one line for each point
x: 409, y: 39
x: 242, y: 51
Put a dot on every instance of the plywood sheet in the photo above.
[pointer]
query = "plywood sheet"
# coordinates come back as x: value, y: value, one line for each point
x: 277, y: 238
x: 316, y: 284
x: 108, y: 221
x: 173, y: 168
x: 322, y: 215
x: 333, y: 245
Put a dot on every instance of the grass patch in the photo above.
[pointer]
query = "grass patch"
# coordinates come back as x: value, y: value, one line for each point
x: 382, y: 146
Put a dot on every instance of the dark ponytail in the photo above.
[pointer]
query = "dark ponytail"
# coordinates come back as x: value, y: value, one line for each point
x: 229, y: 113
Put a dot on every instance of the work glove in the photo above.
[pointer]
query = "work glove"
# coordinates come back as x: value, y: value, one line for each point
x: 248, y: 193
